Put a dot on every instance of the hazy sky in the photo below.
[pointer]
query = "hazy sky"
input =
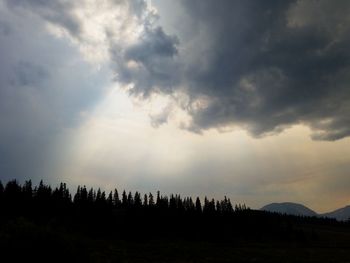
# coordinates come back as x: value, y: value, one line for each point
x: 249, y: 99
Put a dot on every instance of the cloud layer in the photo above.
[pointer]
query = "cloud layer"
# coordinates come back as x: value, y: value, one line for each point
x: 263, y: 66
x: 267, y: 65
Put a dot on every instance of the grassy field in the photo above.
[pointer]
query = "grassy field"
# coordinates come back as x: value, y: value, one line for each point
x: 23, y: 240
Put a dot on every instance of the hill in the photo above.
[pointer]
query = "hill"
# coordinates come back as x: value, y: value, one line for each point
x: 289, y: 209
x: 340, y: 214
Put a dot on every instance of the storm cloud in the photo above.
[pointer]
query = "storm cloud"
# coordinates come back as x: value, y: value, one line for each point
x: 261, y: 66
x: 267, y: 65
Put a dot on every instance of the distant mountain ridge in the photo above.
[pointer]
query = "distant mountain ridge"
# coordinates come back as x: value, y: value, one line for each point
x: 290, y: 208
x: 340, y: 214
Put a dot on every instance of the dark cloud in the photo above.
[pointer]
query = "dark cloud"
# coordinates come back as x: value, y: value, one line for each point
x: 262, y: 65
x: 264, y: 73
x: 148, y: 64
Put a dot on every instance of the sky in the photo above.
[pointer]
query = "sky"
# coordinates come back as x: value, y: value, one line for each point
x: 245, y: 99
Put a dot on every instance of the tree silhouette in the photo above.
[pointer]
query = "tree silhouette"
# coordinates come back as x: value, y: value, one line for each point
x: 145, y: 200
x: 130, y: 200
x: 137, y: 200
x: 124, y: 199
x: 174, y: 214
x: 116, y: 200
x: 150, y: 200
x: 110, y: 199
x: 53, y: 214
x: 158, y: 201
x: 91, y: 196
x: 198, y: 205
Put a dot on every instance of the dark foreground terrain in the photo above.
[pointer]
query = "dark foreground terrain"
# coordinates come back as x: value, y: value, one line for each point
x: 41, y: 224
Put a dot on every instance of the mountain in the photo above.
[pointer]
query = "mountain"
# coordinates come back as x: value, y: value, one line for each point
x: 289, y: 208
x: 340, y: 214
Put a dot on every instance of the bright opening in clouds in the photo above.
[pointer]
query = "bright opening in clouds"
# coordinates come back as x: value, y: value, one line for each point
x: 248, y: 99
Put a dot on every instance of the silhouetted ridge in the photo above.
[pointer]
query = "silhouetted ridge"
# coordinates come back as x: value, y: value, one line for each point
x: 289, y: 209
x: 341, y: 214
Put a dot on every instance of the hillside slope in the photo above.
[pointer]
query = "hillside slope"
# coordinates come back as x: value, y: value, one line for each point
x: 289, y: 208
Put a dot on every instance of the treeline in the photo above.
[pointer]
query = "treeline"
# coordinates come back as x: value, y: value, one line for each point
x: 44, y: 224
x: 126, y: 215
x: 19, y: 198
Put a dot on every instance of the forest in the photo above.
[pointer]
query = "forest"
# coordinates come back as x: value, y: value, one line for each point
x: 48, y: 224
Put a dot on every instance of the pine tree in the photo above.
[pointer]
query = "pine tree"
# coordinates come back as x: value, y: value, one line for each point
x: 198, y: 205
x: 116, y: 201
x: 191, y: 206
x: 145, y: 200
x: 98, y: 195
x: 150, y: 200
x: 83, y: 195
x: 27, y: 190
x: 229, y: 207
x: 77, y: 196
x: 206, y: 208
x: 158, y: 200
x: 130, y: 201
x: 124, y: 199
x: 91, y: 196
x: 110, y: 199
x: 137, y: 200
x: 172, y: 203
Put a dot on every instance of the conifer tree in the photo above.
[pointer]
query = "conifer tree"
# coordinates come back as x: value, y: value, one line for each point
x: 116, y: 200
x: 206, y: 208
x: 198, y: 205
x: 91, y: 196
x: 27, y: 195
x: 172, y: 202
x: 145, y: 200
x: 150, y: 200
x: 124, y: 199
x: 137, y: 200
x: 130, y: 200
x: 77, y: 196
x: 98, y: 195
x: 110, y: 199
x: 191, y: 204
x: 218, y: 207
x: 229, y: 207
x: 158, y: 200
